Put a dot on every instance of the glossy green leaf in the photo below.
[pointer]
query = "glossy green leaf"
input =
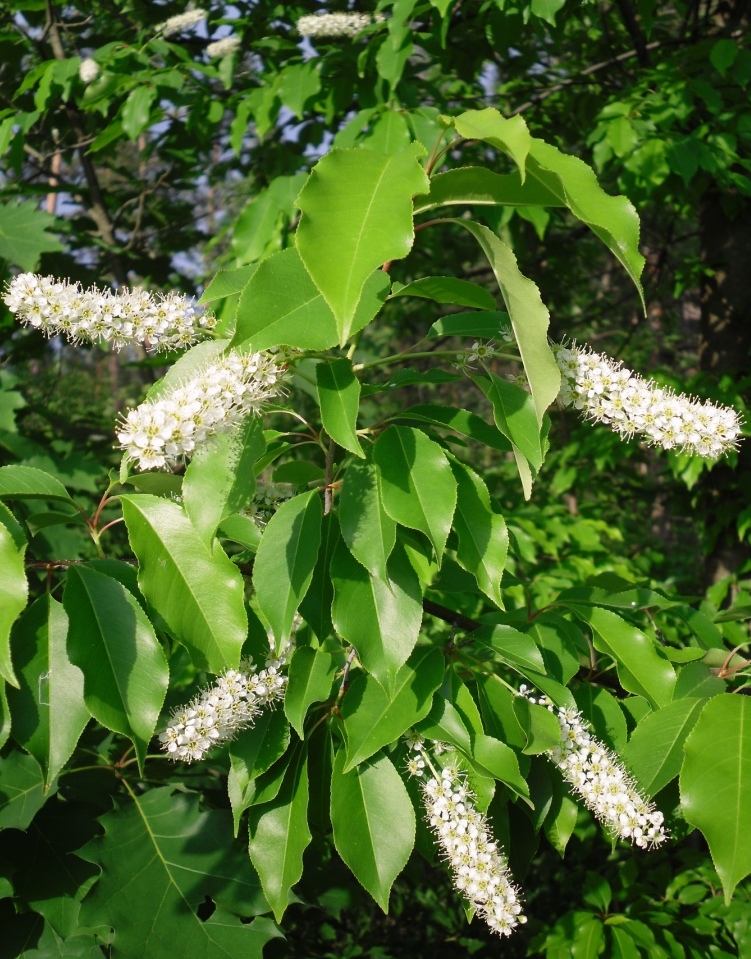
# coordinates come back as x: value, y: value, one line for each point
x: 339, y: 397
x: 515, y: 417
x: 447, y: 289
x: 529, y: 316
x: 310, y: 677
x: 513, y: 647
x: 279, y: 835
x: 380, y: 618
x: 240, y: 529
x: 286, y: 559
x: 27, y: 482
x: 373, y: 718
x: 641, y: 669
x: 497, y: 708
x: 561, y: 818
x: 357, y: 214
x: 14, y: 588
x: 112, y: 642
x: 367, y: 529
x: 510, y: 135
x: 160, y: 857
x: 227, y: 283
x: 199, y: 594
x: 501, y: 762
x: 219, y: 479
x: 417, y: 485
x: 374, y: 823
x: 461, y: 421
x: 486, y: 326
x: 540, y: 725
x: 654, y: 753
x: 588, y: 935
x: 256, y: 749
x: 715, y: 784
x: 136, y: 111
x: 315, y: 608
x: 602, y: 710
x: 482, y: 533
x: 23, y: 233
x: 23, y: 791
x: 282, y: 306
x: 444, y: 724
x: 47, y: 709
x: 480, y: 186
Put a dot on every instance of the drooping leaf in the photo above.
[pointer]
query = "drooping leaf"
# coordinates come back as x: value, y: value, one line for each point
x: 113, y: 643
x: 654, y: 753
x: 14, y: 587
x: 368, y: 530
x: 357, y: 214
x: 27, y: 482
x: 23, y: 234
x: 380, y: 618
x: 461, y: 421
x: 339, y: 396
x: 199, y: 594
x: 286, y: 559
x: 480, y: 186
x: 22, y: 790
x: 373, y: 718
x: 279, y: 835
x: 512, y: 646
x: 48, y: 708
x: 600, y: 708
x: 486, y: 326
x: 374, y: 823
x: 715, y: 784
x: 417, y: 485
x: 311, y: 673
x: 500, y: 761
x: 219, y: 479
x: 161, y: 857
x: 256, y: 749
x: 136, y: 111
x: 448, y: 289
x: 541, y: 726
x: 510, y: 135
x: 315, y: 608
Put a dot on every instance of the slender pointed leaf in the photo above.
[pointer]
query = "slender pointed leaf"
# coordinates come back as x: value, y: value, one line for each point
x: 14, y: 587
x: 368, y: 530
x: 448, y: 289
x: 339, y: 396
x: 480, y: 186
x: 311, y: 674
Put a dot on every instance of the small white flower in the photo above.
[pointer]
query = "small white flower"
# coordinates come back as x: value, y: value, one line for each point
x: 629, y: 404
x: 180, y: 22
x: 162, y: 432
x: 267, y: 499
x: 223, y: 48
x: 88, y: 70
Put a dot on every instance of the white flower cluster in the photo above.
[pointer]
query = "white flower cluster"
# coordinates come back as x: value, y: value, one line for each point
x: 267, y: 499
x: 602, y: 781
x: 480, y: 871
x: 335, y: 24
x: 161, y: 321
x: 88, y: 70
x: 161, y: 432
x: 223, y: 47
x: 607, y: 392
x: 220, y: 711
x: 180, y: 22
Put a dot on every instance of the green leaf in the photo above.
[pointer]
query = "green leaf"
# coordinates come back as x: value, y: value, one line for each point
x: 159, y: 484
x: 715, y: 785
x: 443, y: 724
x: 380, y: 618
x: 482, y: 534
x: 357, y: 214
x: 47, y: 709
x: 199, y: 594
x: 240, y: 529
x: 447, y: 289
x: 501, y: 762
x: 315, y: 608
x: 23, y: 791
x: 311, y: 674
x: 219, y: 479
x: 480, y: 186
x: 373, y: 719
x: 227, y: 283
x: 24, y: 236
x: 602, y: 711
x: 654, y: 753
x: 286, y: 559
x: 298, y: 83
x: 529, y: 316
x: 26, y: 482
x: 641, y: 669
x: 14, y: 589
x: 511, y: 136
x: 417, y: 485
x: 135, y: 114
x: 540, y: 725
x: 515, y: 648
x: 279, y: 835
x: 257, y: 749
x: 374, y: 823
x: 282, y: 306
x: 339, y: 396
x: 561, y: 818
x: 114, y: 645
x: 161, y: 858
x: 368, y: 530
x: 461, y: 421
x: 483, y: 325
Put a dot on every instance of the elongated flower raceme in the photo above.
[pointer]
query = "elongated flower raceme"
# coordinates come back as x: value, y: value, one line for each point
x: 180, y: 22
x: 220, y: 711
x: 157, y: 321
x: 223, y: 47
x: 335, y: 24
x: 597, y: 774
x: 479, y: 869
x: 608, y: 392
x: 162, y: 432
